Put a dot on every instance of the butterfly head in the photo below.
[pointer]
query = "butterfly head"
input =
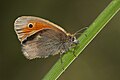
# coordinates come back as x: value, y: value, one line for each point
x: 72, y: 38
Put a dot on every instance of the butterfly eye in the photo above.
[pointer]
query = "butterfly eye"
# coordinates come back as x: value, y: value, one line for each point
x: 30, y: 25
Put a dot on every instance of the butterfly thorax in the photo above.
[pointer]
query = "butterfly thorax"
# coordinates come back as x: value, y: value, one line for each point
x: 69, y: 42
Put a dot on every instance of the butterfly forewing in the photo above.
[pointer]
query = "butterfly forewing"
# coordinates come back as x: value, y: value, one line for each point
x: 23, y: 30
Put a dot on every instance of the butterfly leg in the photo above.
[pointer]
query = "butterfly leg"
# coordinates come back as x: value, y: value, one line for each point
x: 69, y: 49
x: 74, y: 48
x: 61, y: 60
x: 61, y: 57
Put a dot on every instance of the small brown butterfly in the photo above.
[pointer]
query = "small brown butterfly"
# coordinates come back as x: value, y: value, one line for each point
x: 40, y: 38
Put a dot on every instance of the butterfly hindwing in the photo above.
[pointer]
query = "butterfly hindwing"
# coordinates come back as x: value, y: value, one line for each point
x: 42, y: 44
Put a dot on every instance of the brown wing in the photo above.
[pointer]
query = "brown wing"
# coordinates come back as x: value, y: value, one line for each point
x: 43, y: 43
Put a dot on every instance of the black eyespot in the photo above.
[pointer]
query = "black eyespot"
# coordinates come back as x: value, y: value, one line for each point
x: 73, y: 39
x: 30, y: 25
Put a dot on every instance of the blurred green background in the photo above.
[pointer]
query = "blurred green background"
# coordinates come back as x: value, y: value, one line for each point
x: 99, y: 61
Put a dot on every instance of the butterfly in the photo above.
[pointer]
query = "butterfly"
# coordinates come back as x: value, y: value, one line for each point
x: 40, y: 38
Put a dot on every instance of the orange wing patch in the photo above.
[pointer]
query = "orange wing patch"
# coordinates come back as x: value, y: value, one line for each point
x: 36, y: 26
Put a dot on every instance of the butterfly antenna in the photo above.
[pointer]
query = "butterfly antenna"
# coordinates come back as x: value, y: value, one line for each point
x: 77, y: 32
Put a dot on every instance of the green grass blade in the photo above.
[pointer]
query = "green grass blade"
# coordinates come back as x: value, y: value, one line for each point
x: 91, y: 32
